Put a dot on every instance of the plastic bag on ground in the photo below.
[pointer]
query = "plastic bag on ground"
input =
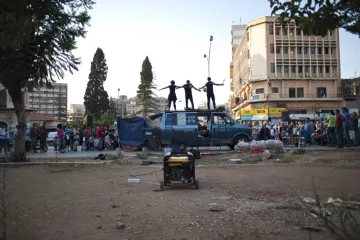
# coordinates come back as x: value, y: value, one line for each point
x: 270, y: 144
x: 279, y: 146
x: 242, y: 146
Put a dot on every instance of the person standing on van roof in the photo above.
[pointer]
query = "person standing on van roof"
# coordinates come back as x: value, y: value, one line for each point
x: 210, y: 91
x: 188, y: 93
x: 172, y: 95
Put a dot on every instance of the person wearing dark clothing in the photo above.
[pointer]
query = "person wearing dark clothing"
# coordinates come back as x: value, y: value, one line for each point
x: 188, y: 93
x: 43, y: 136
x: 210, y: 91
x: 172, y: 95
x: 339, y: 129
x: 264, y: 133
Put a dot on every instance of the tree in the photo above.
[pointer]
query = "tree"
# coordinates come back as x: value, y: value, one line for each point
x: 96, y: 99
x: 317, y: 17
x: 36, y: 43
x: 145, y: 94
x: 112, y: 109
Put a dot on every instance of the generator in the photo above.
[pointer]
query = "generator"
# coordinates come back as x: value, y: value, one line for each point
x: 179, y: 167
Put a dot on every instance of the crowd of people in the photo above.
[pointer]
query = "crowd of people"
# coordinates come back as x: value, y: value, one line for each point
x: 339, y: 129
x: 99, y: 138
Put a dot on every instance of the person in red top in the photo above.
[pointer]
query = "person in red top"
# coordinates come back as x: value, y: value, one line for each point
x: 100, y: 136
x: 339, y: 129
x: 87, y: 135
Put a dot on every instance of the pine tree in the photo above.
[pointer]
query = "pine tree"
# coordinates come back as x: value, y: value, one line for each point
x: 112, y: 109
x: 96, y: 99
x: 37, y: 39
x: 145, y: 94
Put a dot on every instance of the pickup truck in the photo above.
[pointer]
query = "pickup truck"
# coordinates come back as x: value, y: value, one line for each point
x: 196, y: 128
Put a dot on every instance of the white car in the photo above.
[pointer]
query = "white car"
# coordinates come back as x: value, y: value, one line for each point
x: 50, y: 138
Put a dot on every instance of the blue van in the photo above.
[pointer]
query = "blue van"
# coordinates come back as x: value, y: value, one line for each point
x: 197, y: 128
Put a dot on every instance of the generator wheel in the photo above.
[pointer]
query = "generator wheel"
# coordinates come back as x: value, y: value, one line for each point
x: 162, y: 185
x: 197, y: 185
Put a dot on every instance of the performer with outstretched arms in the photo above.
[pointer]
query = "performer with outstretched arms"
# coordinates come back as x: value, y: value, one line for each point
x: 210, y: 91
x: 188, y: 93
x: 172, y: 95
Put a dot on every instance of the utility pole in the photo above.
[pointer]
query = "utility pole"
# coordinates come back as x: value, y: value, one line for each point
x: 208, y: 56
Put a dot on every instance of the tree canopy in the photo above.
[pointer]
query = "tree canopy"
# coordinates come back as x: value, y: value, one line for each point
x: 36, y: 43
x: 96, y: 99
x: 145, y: 94
x: 317, y: 17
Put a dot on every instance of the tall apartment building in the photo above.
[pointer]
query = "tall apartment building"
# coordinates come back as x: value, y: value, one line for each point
x: 76, y: 113
x: 133, y: 108
x: 304, y: 71
x: 237, y: 32
x: 50, y: 101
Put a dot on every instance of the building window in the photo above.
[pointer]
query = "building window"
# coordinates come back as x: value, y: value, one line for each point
x: 330, y: 33
x: 278, y: 68
x: 286, y: 50
x: 307, y: 69
x: 292, y: 50
x: 285, y: 31
x: 286, y: 69
x: 327, y: 69
x: 312, y: 50
x: 321, y: 92
x: 320, y: 69
x: 277, y: 31
x: 247, y: 36
x: 271, y: 29
x: 291, y: 31
x: 306, y: 50
x: 299, y: 50
x: 275, y: 90
x: 272, y: 48
x: 293, y: 69
x: 334, y: 70
x: 300, y: 68
x: 333, y: 50
x: 300, y: 92
x: 319, y: 50
x: 298, y: 31
x: 326, y: 50
x: 272, y: 66
x: 313, y: 69
x: 292, y: 93
x: 259, y: 90
x: 278, y: 51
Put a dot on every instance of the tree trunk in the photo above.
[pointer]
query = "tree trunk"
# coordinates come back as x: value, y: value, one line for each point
x: 19, y: 105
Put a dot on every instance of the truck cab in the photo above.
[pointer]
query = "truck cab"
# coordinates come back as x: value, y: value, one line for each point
x: 196, y: 128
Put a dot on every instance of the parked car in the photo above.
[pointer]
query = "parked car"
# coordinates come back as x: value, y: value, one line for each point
x: 50, y: 138
x: 196, y: 128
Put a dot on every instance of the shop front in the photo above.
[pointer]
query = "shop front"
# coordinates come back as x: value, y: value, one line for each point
x: 263, y: 114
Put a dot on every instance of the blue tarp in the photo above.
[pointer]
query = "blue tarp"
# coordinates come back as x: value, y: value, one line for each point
x: 131, y: 131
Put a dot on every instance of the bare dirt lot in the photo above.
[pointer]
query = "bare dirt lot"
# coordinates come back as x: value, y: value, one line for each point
x: 258, y: 201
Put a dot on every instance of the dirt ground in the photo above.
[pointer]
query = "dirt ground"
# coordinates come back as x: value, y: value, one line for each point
x: 259, y: 201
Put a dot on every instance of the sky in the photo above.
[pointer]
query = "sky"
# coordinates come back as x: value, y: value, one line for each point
x: 174, y: 34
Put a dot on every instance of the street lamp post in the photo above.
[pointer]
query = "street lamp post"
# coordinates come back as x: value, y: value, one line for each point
x: 208, y: 56
x: 117, y: 102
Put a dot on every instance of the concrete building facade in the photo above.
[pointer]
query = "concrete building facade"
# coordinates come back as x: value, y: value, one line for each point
x: 50, y: 101
x: 7, y: 111
x: 132, y: 107
x: 76, y: 113
x: 351, y: 93
x: 281, y: 67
